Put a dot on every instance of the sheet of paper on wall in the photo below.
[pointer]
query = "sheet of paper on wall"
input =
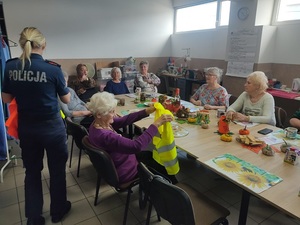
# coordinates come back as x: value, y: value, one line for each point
x: 242, y: 45
x: 239, y: 69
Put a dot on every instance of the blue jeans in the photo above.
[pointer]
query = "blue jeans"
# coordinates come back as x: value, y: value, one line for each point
x: 35, y: 137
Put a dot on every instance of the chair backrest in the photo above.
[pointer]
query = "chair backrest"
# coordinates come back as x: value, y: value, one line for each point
x: 102, y: 162
x: 170, y: 202
x: 77, y: 131
x: 231, y: 99
x: 280, y: 115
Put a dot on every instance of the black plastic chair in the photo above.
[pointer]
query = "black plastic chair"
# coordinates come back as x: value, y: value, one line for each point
x: 280, y: 115
x: 177, y: 203
x: 231, y: 99
x: 77, y: 132
x: 105, y: 168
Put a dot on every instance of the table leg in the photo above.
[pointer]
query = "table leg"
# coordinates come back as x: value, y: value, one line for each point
x: 130, y: 131
x: 244, y: 208
x: 167, y: 84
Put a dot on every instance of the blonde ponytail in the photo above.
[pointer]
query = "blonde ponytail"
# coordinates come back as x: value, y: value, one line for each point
x: 30, y: 38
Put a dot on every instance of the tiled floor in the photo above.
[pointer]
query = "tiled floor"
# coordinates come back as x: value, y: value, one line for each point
x: 110, y: 209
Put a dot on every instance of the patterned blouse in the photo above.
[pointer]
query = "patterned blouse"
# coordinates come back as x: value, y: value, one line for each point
x: 86, y: 84
x: 147, y: 83
x: 216, y: 97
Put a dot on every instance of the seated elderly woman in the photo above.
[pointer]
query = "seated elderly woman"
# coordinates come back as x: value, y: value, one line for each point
x: 295, y: 120
x: 102, y: 134
x: 254, y: 104
x: 211, y: 95
x: 148, y: 82
x: 84, y: 86
x: 116, y: 86
x: 76, y: 108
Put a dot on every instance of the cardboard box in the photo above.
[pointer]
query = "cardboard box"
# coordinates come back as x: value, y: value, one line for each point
x: 105, y: 64
x: 104, y: 73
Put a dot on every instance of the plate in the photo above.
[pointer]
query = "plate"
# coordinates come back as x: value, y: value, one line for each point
x: 178, y: 131
x: 250, y: 144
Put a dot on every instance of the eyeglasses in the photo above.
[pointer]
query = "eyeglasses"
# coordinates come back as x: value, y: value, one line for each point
x: 210, y: 75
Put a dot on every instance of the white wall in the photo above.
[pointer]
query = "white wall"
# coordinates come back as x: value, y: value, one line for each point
x: 266, y: 47
x: 139, y: 28
x: 94, y: 28
x: 287, y: 44
x: 208, y: 44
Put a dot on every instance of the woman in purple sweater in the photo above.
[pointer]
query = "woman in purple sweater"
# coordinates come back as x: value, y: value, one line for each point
x: 102, y: 133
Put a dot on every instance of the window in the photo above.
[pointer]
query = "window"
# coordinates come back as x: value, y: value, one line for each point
x: 288, y: 10
x: 204, y: 16
x: 225, y: 11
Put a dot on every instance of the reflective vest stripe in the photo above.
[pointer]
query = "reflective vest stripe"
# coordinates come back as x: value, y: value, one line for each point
x: 166, y: 148
x: 171, y: 165
x: 165, y: 152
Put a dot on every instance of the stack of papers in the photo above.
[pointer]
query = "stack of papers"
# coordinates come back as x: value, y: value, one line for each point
x: 279, y: 137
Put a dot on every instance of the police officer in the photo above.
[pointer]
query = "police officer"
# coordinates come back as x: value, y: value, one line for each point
x: 35, y: 84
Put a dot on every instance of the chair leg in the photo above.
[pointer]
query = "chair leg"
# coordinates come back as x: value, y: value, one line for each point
x: 71, y: 154
x: 79, y: 160
x: 149, y: 213
x: 97, y: 190
x: 221, y: 221
x: 225, y: 222
x: 143, y: 198
x: 127, y: 206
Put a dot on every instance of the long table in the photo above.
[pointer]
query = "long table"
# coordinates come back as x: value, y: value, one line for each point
x: 205, y: 144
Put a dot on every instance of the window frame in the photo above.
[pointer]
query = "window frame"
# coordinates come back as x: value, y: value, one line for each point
x: 275, y: 22
x: 217, y: 21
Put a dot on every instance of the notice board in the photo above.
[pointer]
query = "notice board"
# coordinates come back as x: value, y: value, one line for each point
x: 242, y: 51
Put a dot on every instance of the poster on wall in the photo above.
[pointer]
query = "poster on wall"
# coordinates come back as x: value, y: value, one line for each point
x: 242, y: 50
x: 239, y: 69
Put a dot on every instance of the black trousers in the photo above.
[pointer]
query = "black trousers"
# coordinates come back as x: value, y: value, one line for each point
x: 36, y: 138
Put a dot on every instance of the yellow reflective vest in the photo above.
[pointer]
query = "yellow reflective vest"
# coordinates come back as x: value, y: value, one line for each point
x: 62, y: 114
x: 165, y: 152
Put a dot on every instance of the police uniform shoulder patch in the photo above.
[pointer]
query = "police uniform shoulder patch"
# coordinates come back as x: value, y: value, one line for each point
x: 52, y: 63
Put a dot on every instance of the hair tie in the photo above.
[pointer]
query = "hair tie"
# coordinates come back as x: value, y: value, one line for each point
x: 28, y: 40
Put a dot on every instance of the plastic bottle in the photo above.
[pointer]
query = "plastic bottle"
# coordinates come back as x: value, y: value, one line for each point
x: 138, y: 91
x: 176, y: 103
x: 169, y: 62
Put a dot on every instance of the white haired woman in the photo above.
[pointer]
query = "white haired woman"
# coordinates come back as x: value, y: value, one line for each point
x: 211, y: 95
x: 102, y: 134
x: 254, y: 104
x: 116, y: 86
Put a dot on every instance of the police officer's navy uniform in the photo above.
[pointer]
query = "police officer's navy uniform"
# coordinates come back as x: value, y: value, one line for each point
x: 40, y: 127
